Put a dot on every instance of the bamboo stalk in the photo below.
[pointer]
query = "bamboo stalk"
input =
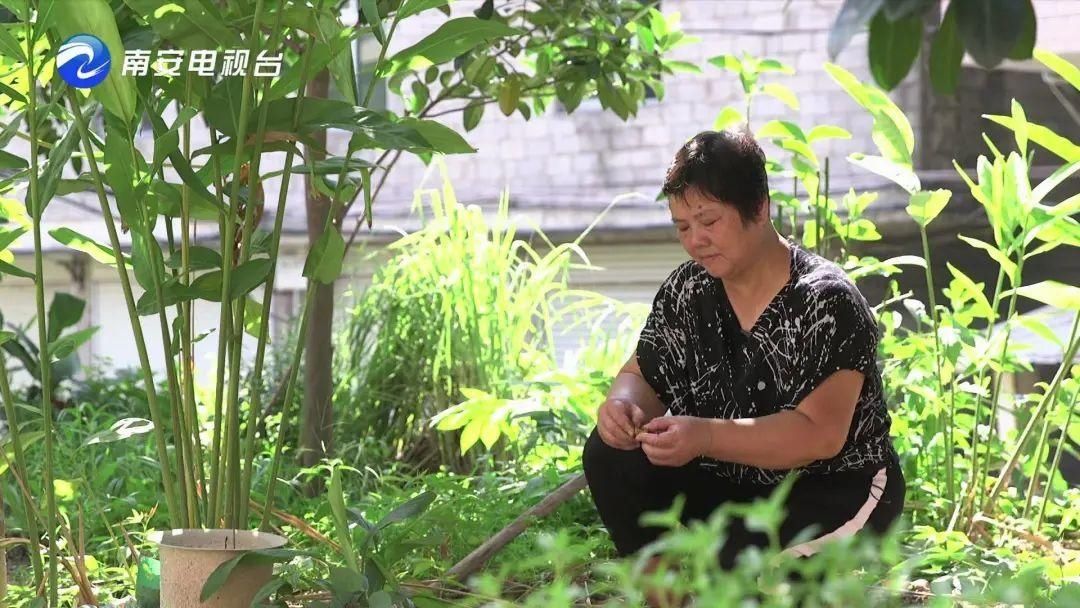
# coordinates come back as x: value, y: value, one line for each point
x: 133, y: 316
x: 187, y: 354
x: 225, y: 328
x: 18, y: 468
x: 232, y: 470
x: 37, y: 207
x: 245, y: 456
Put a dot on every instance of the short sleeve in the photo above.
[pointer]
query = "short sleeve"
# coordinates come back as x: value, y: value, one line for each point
x: 839, y: 332
x: 661, y: 347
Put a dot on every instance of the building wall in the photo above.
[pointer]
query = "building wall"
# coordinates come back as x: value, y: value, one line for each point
x: 560, y: 155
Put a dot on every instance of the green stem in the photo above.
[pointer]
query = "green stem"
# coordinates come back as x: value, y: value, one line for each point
x: 223, y: 343
x: 1048, y: 397
x: 157, y: 263
x: 187, y: 313
x: 937, y: 362
x: 995, y: 393
x: 133, y: 315
x: 37, y: 206
x: 969, y: 494
x: 1057, y: 460
x: 232, y: 406
x: 255, y: 397
x: 18, y: 468
x: 1037, y: 464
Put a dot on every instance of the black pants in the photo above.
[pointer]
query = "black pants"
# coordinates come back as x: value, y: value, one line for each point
x: 625, y: 484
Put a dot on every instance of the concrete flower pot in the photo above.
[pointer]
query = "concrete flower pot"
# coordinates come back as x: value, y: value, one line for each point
x: 188, y: 557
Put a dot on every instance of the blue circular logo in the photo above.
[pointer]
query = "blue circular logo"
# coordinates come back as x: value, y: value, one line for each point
x: 83, y: 61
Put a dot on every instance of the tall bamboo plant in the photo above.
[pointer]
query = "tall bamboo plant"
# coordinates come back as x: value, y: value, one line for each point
x: 201, y: 487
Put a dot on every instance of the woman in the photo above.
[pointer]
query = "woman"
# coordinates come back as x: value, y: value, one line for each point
x: 764, y: 353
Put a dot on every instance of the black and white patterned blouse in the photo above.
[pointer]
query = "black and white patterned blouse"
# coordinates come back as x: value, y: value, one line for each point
x: 700, y: 361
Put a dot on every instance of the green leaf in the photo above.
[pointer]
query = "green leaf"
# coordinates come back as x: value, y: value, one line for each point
x: 473, y: 113
x: 253, y: 318
x: 1067, y: 71
x: 336, y: 497
x: 14, y: 270
x: 142, y: 259
x: 407, y: 510
x: 850, y: 20
x: 509, y: 93
x: 730, y: 63
x: 782, y: 129
x: 14, y: 211
x: 28, y: 438
x: 11, y: 161
x: 772, y: 65
x: 122, y: 429
x: 65, y: 310
x: 1025, y: 44
x: 782, y: 93
x: 440, y: 137
x: 10, y: 47
x: 996, y: 254
x: 221, y: 574
x: 990, y: 29
x: 1054, y: 293
x: 1043, y: 136
x: 380, y: 599
x: 728, y: 117
x: 370, y: 10
x: 884, y: 167
x: 199, y: 258
x: 166, y: 143
x: 451, y: 39
x: 1047, y: 185
x: 7, y: 237
x: 190, y: 24
x: 54, y: 167
x: 893, y: 47
x: 980, y: 304
x: 323, y: 263
x: 892, y: 132
x: 248, y: 276
x: 412, y: 7
x: 827, y: 132
x: 120, y: 172
x: 926, y: 205
x: 80, y: 242
x: 65, y: 345
x: 183, y: 168
x: 341, y: 66
x: 117, y: 92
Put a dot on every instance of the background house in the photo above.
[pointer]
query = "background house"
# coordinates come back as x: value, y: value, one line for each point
x: 563, y: 169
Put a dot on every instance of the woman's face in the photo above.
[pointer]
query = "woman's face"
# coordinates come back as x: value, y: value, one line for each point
x: 713, y: 234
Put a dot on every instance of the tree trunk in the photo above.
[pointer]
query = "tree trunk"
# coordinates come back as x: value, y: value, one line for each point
x: 316, y: 416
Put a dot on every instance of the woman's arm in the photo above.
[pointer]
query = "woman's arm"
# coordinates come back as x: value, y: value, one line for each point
x: 630, y: 386
x: 815, y: 430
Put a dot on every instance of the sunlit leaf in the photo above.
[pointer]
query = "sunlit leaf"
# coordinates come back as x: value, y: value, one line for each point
x: 895, y: 172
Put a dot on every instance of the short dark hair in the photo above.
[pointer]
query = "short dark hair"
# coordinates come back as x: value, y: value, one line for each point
x: 727, y: 166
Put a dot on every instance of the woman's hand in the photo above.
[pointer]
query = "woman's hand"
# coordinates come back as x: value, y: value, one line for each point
x: 618, y: 421
x: 673, y: 441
